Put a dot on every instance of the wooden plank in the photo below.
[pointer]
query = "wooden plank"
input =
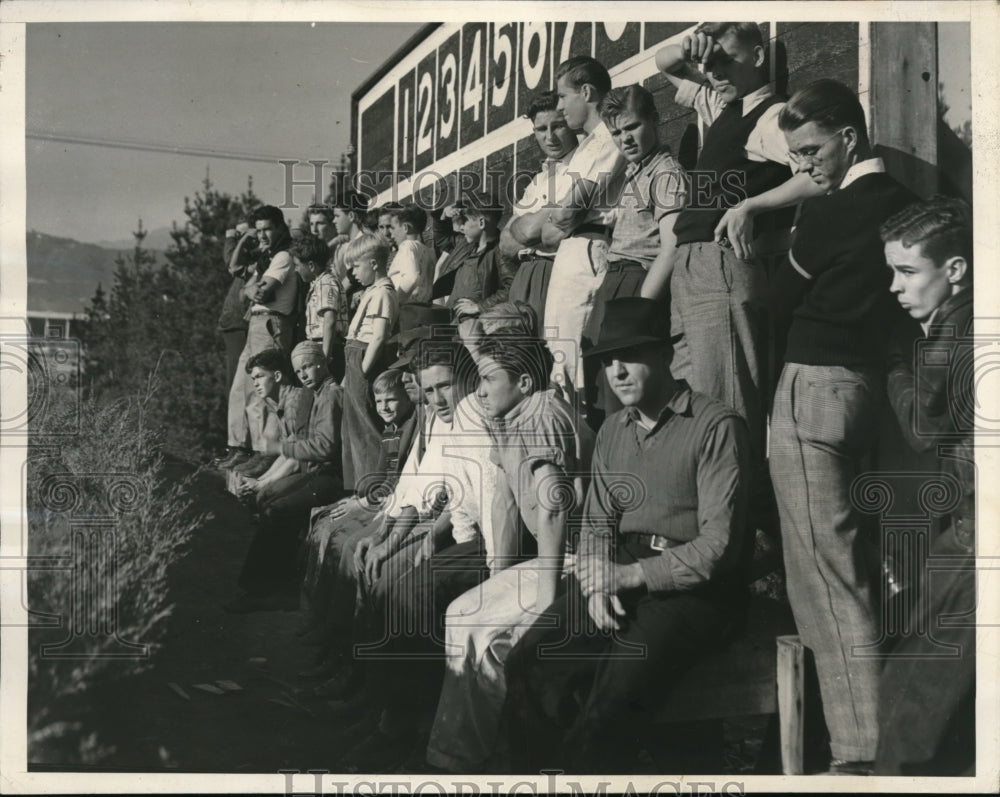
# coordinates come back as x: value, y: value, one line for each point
x: 738, y: 680
x: 904, y: 82
x: 791, y: 697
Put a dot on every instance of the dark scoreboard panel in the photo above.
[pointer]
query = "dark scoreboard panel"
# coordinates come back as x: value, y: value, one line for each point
x: 447, y: 113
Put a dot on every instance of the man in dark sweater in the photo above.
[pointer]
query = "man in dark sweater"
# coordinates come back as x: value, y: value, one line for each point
x: 836, y: 287
x: 658, y: 574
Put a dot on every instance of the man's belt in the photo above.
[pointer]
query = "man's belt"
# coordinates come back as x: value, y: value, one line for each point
x: 584, y: 229
x: 266, y: 312
x: 654, y: 541
x: 623, y: 265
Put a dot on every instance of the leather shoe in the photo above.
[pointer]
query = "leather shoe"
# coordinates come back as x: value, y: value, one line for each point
x: 256, y: 466
x: 238, y: 457
x: 840, y: 767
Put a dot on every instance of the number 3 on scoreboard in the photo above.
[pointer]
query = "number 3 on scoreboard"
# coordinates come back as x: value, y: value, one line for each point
x: 472, y: 95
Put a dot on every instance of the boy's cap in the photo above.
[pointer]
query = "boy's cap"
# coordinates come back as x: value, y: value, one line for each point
x: 308, y: 350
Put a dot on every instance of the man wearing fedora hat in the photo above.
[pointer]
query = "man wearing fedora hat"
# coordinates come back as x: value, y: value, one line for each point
x: 658, y: 573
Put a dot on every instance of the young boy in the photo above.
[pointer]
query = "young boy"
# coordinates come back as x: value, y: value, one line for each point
x: 475, y: 277
x: 326, y: 302
x: 927, y: 700
x: 412, y: 267
x: 365, y: 354
x: 398, y: 413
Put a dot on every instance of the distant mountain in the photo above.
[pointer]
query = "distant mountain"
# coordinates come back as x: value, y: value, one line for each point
x: 63, y: 274
x: 157, y: 240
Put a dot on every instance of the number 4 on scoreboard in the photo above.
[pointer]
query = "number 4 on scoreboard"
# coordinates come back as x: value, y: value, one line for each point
x: 472, y: 94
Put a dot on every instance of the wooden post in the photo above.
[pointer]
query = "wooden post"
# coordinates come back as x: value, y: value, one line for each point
x: 904, y: 86
x: 791, y: 702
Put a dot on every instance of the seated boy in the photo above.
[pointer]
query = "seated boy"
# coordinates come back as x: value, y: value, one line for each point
x: 305, y: 475
x: 542, y: 446
x: 927, y: 688
x: 275, y: 399
x: 399, y: 415
x: 412, y: 267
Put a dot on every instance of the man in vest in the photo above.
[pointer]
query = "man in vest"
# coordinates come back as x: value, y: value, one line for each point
x: 741, y: 174
x: 659, y: 568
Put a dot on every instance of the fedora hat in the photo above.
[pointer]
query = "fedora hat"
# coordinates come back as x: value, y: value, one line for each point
x: 631, y: 321
x: 408, y: 341
x: 414, y: 315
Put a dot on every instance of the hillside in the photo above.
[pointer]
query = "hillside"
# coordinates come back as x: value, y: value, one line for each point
x: 63, y: 274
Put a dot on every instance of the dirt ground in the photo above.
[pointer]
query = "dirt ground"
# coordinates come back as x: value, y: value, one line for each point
x: 275, y: 723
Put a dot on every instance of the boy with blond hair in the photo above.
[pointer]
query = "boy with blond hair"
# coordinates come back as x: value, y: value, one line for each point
x: 365, y: 353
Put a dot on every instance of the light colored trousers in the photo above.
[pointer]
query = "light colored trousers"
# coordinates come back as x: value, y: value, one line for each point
x: 822, y: 425
x: 481, y: 627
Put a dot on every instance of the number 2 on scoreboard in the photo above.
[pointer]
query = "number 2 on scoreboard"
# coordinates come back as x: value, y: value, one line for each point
x: 472, y: 94
x: 425, y: 105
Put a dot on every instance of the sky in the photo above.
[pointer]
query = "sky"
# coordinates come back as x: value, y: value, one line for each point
x: 276, y: 90
x: 279, y: 90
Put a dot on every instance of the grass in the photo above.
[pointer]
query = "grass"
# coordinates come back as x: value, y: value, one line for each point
x: 106, y: 524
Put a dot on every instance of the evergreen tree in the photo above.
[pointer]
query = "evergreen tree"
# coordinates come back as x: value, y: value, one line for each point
x: 157, y: 333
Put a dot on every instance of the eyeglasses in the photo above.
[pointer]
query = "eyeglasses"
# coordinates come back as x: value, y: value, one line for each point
x: 811, y: 154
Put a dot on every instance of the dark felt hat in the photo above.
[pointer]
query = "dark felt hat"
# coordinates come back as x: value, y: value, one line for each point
x: 416, y: 315
x: 408, y: 342
x: 631, y: 321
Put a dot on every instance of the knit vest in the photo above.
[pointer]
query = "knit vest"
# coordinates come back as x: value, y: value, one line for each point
x: 724, y: 176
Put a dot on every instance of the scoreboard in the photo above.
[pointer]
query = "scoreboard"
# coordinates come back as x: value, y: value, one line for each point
x: 446, y: 112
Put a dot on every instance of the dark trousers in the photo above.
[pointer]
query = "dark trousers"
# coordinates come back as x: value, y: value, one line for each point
x: 577, y: 697
x: 362, y: 427
x: 531, y: 285
x: 408, y: 656
x: 271, y: 563
x: 927, y: 717
x: 234, y: 340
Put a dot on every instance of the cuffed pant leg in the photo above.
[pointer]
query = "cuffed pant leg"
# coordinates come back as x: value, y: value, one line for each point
x: 822, y: 424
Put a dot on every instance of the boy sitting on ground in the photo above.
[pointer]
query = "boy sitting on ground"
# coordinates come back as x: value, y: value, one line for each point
x: 307, y: 474
x: 275, y: 399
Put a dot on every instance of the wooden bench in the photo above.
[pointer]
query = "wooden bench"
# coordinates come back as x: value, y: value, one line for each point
x: 762, y: 671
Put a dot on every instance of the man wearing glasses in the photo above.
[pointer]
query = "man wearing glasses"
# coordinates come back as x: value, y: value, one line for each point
x: 835, y: 286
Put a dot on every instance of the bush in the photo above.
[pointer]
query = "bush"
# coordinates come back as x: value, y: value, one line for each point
x: 104, y: 515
